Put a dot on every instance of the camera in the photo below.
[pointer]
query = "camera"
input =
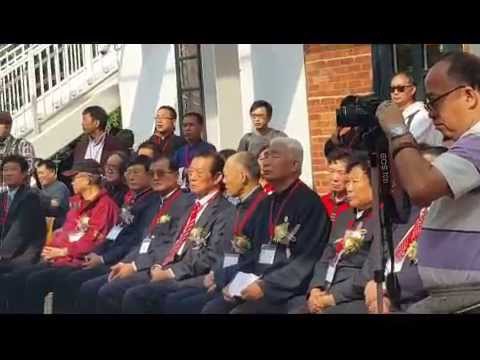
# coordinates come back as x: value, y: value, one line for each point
x: 358, y: 111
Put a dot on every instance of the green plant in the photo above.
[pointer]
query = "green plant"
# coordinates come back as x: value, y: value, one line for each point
x: 114, y: 122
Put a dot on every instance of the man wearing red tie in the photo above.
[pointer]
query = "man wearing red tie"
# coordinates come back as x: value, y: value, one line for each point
x: 198, y: 244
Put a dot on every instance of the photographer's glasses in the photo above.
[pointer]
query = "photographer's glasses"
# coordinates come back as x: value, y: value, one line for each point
x: 399, y: 88
x: 429, y: 103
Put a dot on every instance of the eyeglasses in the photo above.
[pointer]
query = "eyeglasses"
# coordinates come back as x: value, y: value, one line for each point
x: 159, y: 173
x: 429, y: 103
x: 399, y: 88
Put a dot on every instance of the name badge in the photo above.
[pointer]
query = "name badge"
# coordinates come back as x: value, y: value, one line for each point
x: 114, y: 232
x: 267, y: 254
x: 230, y: 260
x: 145, y: 245
x: 332, y: 269
x: 74, y: 237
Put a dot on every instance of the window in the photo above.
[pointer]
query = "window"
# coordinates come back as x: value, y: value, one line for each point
x: 413, y: 58
x: 189, y: 79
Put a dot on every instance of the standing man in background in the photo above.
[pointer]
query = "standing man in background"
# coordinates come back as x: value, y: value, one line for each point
x: 97, y: 144
x: 164, y: 137
x: 10, y: 145
x: 261, y: 115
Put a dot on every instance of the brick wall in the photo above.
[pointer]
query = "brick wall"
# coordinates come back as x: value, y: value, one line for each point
x: 332, y: 71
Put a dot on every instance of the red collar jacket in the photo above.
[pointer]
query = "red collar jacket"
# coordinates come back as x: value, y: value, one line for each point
x: 86, y: 226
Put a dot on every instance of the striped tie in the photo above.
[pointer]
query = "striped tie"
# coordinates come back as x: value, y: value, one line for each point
x: 187, y: 229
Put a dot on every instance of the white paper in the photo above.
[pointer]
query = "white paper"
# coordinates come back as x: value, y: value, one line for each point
x: 241, y: 281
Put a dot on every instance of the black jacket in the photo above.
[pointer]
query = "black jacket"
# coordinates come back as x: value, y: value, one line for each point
x: 143, y: 211
x: 348, y: 269
x: 195, y: 262
x: 162, y: 235
x: 23, y: 235
x: 288, y: 276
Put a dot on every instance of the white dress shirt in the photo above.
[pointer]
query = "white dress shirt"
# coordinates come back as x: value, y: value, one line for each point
x: 95, y: 148
x: 420, y: 125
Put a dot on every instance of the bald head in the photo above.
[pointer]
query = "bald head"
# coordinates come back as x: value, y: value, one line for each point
x: 452, y: 93
x: 241, y: 174
x: 248, y: 162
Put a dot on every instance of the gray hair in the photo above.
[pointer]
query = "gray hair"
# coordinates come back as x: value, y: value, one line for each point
x: 293, y: 145
x: 249, y: 162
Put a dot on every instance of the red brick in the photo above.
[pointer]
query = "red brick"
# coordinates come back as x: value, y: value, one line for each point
x: 333, y: 71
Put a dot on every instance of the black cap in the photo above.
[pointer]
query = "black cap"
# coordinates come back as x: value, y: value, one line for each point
x: 5, y: 118
x: 89, y: 166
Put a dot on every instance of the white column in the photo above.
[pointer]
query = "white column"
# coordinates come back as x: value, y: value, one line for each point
x: 276, y: 73
x: 147, y: 80
x: 222, y: 93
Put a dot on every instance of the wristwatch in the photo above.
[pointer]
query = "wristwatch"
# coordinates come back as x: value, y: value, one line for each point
x: 397, y: 131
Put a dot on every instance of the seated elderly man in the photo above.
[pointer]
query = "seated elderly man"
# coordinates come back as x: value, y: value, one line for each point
x: 287, y: 234
x: 241, y: 175
x: 332, y: 285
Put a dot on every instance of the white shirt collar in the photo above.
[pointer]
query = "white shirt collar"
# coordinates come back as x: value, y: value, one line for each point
x: 412, y: 108
x: 204, y: 200
x: 168, y: 195
x: 359, y: 214
x: 98, y: 141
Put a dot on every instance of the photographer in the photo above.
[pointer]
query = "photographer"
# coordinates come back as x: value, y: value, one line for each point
x: 450, y: 239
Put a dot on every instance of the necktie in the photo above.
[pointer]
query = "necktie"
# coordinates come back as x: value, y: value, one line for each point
x: 187, y: 229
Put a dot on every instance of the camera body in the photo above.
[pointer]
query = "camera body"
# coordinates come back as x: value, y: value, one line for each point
x: 358, y: 111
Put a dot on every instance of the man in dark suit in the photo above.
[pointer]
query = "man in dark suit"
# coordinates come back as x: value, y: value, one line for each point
x: 241, y: 176
x: 137, y: 211
x: 164, y: 138
x: 198, y: 245
x: 22, y: 220
x: 288, y: 233
x: 158, y: 236
x: 96, y: 144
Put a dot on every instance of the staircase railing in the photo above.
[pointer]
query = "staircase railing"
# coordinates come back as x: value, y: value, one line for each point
x: 36, y: 80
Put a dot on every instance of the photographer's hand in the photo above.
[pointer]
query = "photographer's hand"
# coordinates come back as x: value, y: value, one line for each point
x: 389, y: 116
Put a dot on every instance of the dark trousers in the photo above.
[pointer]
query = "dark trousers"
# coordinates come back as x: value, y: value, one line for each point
x: 186, y: 301
x: 298, y: 305
x: 220, y: 306
x: 67, y: 289
x: 148, y: 298
x: 109, y: 295
x: 26, y: 287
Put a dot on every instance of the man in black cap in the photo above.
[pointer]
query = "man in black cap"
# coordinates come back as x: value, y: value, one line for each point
x: 10, y: 145
x: 91, y: 216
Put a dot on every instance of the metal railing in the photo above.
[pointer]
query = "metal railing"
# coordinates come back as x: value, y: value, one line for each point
x: 36, y: 80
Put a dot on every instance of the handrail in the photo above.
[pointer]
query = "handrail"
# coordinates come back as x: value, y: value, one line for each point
x: 49, y: 74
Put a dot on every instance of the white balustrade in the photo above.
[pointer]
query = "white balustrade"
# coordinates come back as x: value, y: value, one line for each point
x: 37, y: 80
